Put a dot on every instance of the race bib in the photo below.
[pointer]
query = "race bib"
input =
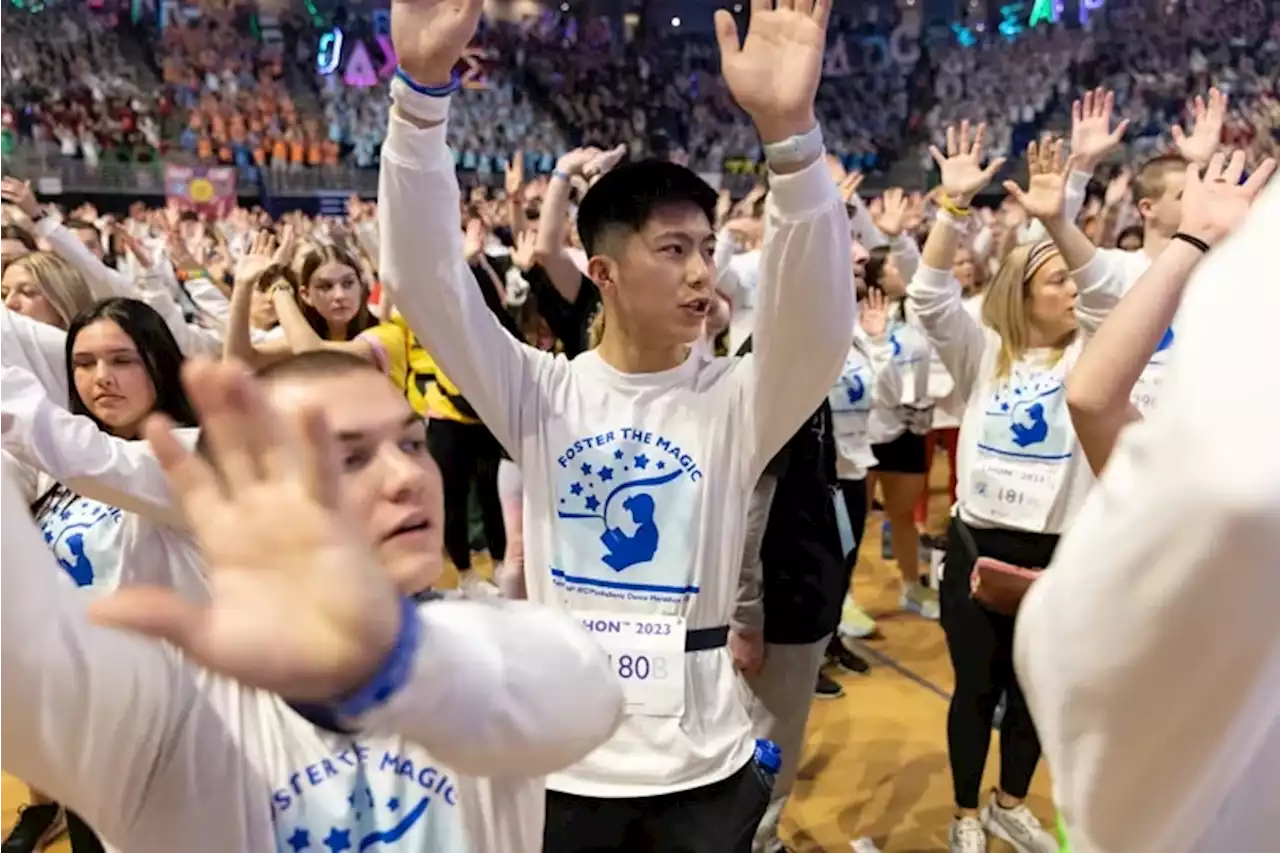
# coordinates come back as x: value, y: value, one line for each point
x: 1018, y: 494
x: 1146, y: 393
x: 646, y: 654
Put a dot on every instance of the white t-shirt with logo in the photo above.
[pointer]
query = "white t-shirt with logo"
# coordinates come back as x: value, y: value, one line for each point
x: 1019, y: 466
x: 636, y: 485
x: 869, y: 378
x: 501, y: 693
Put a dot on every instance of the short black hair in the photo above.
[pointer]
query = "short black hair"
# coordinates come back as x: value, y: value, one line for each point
x: 627, y: 196
x: 1131, y: 231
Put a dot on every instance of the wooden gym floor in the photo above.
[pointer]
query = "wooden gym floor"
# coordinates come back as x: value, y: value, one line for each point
x: 875, y: 761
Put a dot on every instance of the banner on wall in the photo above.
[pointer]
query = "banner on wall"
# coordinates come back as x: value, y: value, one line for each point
x: 210, y: 190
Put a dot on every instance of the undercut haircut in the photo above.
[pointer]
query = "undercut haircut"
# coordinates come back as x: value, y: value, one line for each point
x: 624, y: 200
x: 1152, y: 176
x: 316, y: 363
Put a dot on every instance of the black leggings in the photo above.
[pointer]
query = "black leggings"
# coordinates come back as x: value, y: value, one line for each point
x: 463, y: 452
x: 854, y: 493
x: 981, y: 646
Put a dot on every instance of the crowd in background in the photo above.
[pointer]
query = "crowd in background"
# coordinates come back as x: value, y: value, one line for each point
x: 215, y: 91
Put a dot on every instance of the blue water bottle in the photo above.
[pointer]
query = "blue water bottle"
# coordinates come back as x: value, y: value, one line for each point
x: 768, y: 761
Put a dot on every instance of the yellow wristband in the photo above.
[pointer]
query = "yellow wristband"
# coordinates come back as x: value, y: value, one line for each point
x: 945, y: 202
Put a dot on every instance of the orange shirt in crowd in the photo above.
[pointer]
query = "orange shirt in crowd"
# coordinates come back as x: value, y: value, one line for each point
x: 205, y: 148
x: 296, y: 151
x: 279, y: 151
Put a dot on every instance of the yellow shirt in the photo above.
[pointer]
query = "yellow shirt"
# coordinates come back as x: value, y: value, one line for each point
x: 414, y: 372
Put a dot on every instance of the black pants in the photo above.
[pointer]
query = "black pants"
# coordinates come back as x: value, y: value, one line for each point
x: 718, y: 818
x: 981, y: 646
x: 854, y: 493
x: 465, y: 452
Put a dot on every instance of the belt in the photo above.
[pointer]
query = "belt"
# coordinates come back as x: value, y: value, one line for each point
x: 702, y: 639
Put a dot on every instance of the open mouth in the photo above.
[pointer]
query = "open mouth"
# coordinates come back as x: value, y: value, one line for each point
x: 698, y: 307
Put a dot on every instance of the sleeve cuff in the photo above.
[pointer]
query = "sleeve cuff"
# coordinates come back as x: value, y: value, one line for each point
x: 1093, y: 272
x: 932, y: 278
x: 799, y: 194
x: 46, y: 225
x: 410, y: 143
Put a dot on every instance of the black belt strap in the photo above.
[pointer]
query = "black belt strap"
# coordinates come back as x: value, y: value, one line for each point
x: 702, y: 639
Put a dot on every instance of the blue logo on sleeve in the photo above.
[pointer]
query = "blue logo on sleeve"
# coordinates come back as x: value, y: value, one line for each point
x: 629, y: 496
x: 850, y: 391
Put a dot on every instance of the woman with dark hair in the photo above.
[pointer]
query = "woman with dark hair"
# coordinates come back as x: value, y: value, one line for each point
x: 15, y: 242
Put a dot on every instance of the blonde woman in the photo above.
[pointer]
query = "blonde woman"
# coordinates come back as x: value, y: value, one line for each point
x: 1021, y: 478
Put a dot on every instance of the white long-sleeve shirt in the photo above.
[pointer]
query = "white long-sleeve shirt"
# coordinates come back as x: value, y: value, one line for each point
x: 1019, y: 464
x: 870, y: 379
x: 1148, y: 651
x: 38, y: 348
x: 160, y: 755
x: 636, y: 485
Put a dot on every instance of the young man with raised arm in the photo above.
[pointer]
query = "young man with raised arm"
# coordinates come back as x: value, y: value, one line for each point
x: 639, y: 459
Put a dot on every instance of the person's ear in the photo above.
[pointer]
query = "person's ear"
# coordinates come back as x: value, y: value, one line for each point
x: 603, y: 271
x: 1144, y: 208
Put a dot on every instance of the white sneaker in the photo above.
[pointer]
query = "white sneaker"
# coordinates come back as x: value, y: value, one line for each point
x: 1019, y: 828
x: 864, y: 845
x: 473, y: 585
x: 918, y: 598
x: 967, y: 836
x: 854, y: 621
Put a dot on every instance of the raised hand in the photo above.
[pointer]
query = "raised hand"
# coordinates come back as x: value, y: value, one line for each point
x: 473, y: 241
x: 302, y: 609
x: 774, y: 73
x: 19, y: 194
x: 1091, y: 134
x: 1047, y: 185
x: 573, y: 162
x: 259, y: 256
x: 1214, y: 205
x: 1117, y: 189
x: 894, y: 207
x: 962, y: 174
x: 515, y: 176
x: 849, y: 185
x: 1204, y: 138
x: 873, y: 314
x: 429, y: 36
x: 525, y: 250
x: 600, y: 165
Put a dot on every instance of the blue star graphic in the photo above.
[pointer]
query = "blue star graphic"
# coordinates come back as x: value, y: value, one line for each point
x: 617, y: 454
x: 661, y: 465
x: 642, y: 461
x: 338, y: 839
x: 592, y: 502
x: 300, y: 840
x: 1004, y: 407
x: 351, y: 800
x: 393, y: 803
x: 575, y: 489
x: 586, y: 469
x: 606, y: 474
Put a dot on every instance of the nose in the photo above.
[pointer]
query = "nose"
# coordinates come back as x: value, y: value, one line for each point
x: 699, y: 272
x: 405, y: 476
x: 11, y: 300
x: 860, y: 253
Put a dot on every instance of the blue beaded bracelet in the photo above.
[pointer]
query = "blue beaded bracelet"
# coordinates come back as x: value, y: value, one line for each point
x: 454, y: 84
x: 392, y: 675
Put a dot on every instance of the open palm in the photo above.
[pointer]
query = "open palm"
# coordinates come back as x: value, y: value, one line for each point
x: 1213, y: 206
x: 1047, y: 185
x: 1091, y: 134
x: 774, y: 74
x: 430, y: 35
x: 298, y: 603
x: 963, y: 175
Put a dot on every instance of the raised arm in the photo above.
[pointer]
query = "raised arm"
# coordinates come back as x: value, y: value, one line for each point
x: 934, y: 295
x: 38, y: 348
x: 74, y: 451
x: 1184, y: 522
x: 553, y: 218
x: 1099, y: 386
x: 418, y: 214
x: 510, y: 689
x: 806, y: 300
x: 79, y: 704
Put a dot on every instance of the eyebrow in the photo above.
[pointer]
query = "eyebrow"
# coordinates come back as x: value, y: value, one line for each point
x: 349, y: 436
x: 115, y: 351
x: 685, y: 236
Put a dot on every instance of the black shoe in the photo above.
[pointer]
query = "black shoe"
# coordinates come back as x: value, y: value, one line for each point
x: 83, y: 839
x: 849, y: 662
x: 38, y: 826
x: 827, y: 688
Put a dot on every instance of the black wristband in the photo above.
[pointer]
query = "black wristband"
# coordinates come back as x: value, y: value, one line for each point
x: 1194, y: 241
